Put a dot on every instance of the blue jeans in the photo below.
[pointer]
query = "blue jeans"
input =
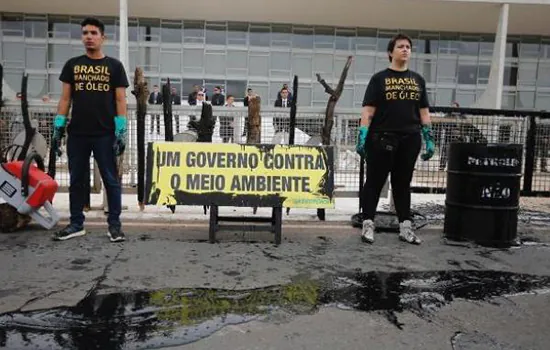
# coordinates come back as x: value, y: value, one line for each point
x: 79, y: 150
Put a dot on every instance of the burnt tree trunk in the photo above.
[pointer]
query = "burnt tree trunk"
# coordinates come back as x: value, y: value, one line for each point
x: 329, y: 112
x: 254, y: 135
x: 141, y: 94
x: 333, y: 99
x: 205, y: 126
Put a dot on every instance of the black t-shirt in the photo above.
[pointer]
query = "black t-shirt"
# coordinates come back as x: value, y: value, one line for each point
x: 398, y: 98
x: 93, y: 91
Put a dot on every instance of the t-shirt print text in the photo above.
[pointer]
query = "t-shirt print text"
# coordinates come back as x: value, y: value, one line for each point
x: 402, y: 89
x: 91, y: 78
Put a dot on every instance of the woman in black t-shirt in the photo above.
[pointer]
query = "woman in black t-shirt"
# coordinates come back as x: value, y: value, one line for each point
x: 395, y: 114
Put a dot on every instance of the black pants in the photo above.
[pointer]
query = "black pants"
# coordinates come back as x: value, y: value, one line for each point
x: 390, y: 153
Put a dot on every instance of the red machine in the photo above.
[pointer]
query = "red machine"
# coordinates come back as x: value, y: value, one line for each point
x: 27, y: 188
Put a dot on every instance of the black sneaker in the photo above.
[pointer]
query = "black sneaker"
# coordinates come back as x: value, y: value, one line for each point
x: 115, y: 234
x: 68, y: 232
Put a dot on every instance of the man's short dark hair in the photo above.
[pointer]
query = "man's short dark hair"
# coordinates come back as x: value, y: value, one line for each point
x: 218, y: 87
x: 94, y: 22
x: 394, y: 40
x: 229, y: 96
x: 284, y: 89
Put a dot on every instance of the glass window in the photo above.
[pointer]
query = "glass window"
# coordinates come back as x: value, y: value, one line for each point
x: 262, y: 90
x: 324, y: 37
x: 322, y: 64
x: 510, y: 75
x: 12, y: 25
x: 280, y: 61
x: 36, y: 57
x: 529, y: 47
x: 59, y: 26
x: 111, y: 51
x: 525, y: 100
x: 343, y: 39
x: 216, y: 33
x: 12, y: 78
x: 193, y: 32
x: 237, y: 88
x: 430, y: 41
x: 543, y: 102
x: 448, y: 44
x: 258, y: 65
x: 512, y: 47
x: 237, y: 59
x: 132, y: 29
x: 508, y: 100
x: 469, y: 46
x: 431, y: 96
x: 319, y: 94
x: 13, y: 54
x: 133, y: 55
x: 215, y: 62
x: 486, y: 45
x: 340, y: 62
x: 150, y: 58
x: 171, y: 32
x: 364, y: 65
x: 465, y: 98
x: 381, y: 63
x: 302, y: 66
x: 209, y: 85
x: 175, y: 82
x: 304, y: 95
x: 359, y: 94
x: 193, y: 57
x: 237, y: 33
x: 366, y: 40
x: 149, y: 30
x: 111, y: 29
x: 444, y: 96
x: 483, y: 71
x: 346, y: 99
x: 427, y: 68
x: 302, y: 38
x: 527, y: 73
x: 545, y: 49
x: 467, y: 74
x: 260, y: 35
x: 54, y: 86
x: 36, y: 27
x: 543, y: 75
x: 281, y: 35
x: 383, y: 40
x: 75, y: 27
x: 170, y: 61
x: 187, y: 87
x: 37, y: 86
x: 446, y: 70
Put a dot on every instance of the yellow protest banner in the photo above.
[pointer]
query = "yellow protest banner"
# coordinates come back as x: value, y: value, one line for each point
x: 292, y: 176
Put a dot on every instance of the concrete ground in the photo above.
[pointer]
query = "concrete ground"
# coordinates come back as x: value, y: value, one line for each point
x: 164, y: 252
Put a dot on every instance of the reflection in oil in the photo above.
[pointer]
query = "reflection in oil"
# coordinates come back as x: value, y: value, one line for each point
x: 169, y: 317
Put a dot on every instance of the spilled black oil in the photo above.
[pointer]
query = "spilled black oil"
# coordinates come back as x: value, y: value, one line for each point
x: 170, y: 317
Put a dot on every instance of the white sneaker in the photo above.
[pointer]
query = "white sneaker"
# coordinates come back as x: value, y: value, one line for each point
x: 367, y: 234
x: 406, y: 233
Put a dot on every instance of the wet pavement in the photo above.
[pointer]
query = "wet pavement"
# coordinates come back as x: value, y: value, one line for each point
x: 321, y: 289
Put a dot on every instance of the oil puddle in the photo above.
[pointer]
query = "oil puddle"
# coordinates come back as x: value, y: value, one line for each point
x: 171, y: 317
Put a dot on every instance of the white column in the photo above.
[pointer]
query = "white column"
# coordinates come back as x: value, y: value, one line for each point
x: 123, y: 34
x: 492, y: 96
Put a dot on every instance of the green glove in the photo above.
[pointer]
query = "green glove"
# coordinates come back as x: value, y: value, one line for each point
x: 120, y: 134
x: 429, y: 140
x: 361, y: 141
x: 59, y: 124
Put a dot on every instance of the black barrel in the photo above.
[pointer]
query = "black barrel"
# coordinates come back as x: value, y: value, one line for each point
x: 483, y: 189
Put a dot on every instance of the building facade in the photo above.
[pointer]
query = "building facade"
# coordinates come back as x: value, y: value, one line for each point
x: 190, y: 48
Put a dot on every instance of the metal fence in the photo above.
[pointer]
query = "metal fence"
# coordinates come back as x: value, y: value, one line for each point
x: 450, y: 125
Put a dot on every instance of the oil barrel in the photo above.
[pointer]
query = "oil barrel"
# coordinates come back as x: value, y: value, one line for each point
x: 483, y: 190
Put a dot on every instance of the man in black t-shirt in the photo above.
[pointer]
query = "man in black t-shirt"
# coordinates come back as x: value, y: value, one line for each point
x: 395, y: 118
x: 95, y: 85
